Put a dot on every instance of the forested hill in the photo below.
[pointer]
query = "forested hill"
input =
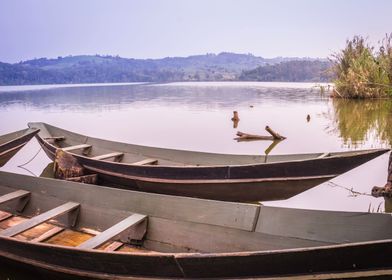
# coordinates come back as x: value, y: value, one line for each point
x: 209, y: 67
x: 290, y: 71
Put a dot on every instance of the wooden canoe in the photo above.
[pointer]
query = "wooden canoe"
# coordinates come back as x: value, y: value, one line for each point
x: 12, y: 142
x: 80, y: 230
x: 198, y: 174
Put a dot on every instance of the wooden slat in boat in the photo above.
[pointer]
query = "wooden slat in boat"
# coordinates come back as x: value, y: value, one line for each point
x: 28, y: 224
x: 113, y: 246
x: 13, y: 196
x: 48, y: 234
x: 117, y: 156
x: 147, y: 161
x: 112, y: 232
x: 206, y: 175
x: 76, y: 147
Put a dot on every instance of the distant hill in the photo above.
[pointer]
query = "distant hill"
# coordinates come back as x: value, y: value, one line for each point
x: 100, y: 69
x: 290, y: 71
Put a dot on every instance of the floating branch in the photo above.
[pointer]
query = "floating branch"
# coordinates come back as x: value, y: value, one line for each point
x: 249, y: 137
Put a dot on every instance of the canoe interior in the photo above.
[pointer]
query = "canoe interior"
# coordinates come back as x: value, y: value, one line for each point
x: 183, y: 225
x: 166, y: 157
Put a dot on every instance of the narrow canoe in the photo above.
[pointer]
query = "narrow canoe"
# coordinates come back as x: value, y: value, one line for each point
x: 12, y: 142
x: 79, y: 230
x: 198, y: 174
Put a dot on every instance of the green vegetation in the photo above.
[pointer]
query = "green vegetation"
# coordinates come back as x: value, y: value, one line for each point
x: 363, y: 72
x: 359, y: 120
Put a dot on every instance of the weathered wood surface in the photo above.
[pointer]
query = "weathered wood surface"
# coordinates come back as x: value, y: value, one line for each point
x: 147, y: 161
x: 85, y: 179
x: 66, y: 166
x: 227, y: 214
x: 117, y: 156
x: 248, y: 137
x: 13, y: 196
x: 235, y: 119
x: 63, y: 209
x: 76, y: 147
x: 182, y: 172
x: 21, y: 196
x: 115, y: 231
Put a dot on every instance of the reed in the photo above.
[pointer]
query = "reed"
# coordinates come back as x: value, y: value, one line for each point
x: 363, y: 72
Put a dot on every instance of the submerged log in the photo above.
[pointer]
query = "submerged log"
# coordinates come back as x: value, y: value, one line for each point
x: 274, y: 134
x: 385, y: 191
x: 66, y: 166
x: 235, y: 116
x: 235, y: 119
x: 249, y: 137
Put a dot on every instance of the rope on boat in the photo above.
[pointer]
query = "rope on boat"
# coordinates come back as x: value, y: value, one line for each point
x: 30, y: 160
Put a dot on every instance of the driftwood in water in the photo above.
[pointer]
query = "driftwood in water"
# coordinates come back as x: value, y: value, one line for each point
x: 249, y: 137
x: 235, y: 119
x: 385, y: 191
x: 66, y: 166
x: 86, y: 179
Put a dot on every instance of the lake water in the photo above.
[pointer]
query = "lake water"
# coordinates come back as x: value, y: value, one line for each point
x: 197, y: 116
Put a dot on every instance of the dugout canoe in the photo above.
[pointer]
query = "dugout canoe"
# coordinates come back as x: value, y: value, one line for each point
x: 198, y: 174
x: 63, y: 229
x: 12, y: 142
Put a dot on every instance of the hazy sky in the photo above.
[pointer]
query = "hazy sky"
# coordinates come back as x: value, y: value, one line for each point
x: 152, y: 29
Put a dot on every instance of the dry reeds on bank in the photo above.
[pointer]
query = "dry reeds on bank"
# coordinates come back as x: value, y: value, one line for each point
x: 363, y: 72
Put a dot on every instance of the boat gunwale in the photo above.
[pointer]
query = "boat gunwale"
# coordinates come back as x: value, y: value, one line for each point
x: 203, y: 255
x: 338, y: 155
x: 203, y: 181
x: 207, y: 255
x: 25, y: 131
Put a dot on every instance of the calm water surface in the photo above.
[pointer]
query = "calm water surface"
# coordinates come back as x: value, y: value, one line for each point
x: 197, y: 116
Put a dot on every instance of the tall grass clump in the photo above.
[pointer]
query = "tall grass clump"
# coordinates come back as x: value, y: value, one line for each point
x: 363, y: 72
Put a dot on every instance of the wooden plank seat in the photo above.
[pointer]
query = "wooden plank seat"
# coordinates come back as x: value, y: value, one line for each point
x: 53, y: 213
x: 21, y: 195
x: 115, y: 231
x: 147, y: 161
x: 116, y: 155
x: 13, y: 196
x: 77, y: 147
x: 55, y: 138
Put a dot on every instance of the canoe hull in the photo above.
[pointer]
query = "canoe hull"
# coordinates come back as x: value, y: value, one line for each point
x: 262, y: 182
x: 304, y: 242
x: 354, y: 260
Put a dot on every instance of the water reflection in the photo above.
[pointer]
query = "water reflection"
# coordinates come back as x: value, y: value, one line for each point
x: 359, y: 121
x: 119, y: 97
